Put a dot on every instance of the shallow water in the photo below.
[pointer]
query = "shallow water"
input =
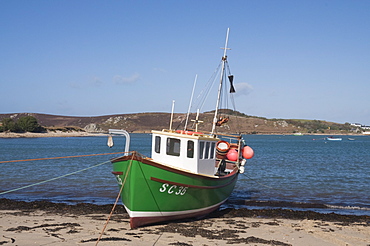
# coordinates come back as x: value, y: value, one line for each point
x: 287, y: 171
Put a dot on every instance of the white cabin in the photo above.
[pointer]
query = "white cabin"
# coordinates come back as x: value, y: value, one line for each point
x: 193, y: 152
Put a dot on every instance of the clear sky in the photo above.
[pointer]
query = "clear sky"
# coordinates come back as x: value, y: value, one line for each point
x: 291, y: 59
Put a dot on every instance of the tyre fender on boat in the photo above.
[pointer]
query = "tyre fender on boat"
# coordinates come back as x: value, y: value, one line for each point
x: 222, y: 147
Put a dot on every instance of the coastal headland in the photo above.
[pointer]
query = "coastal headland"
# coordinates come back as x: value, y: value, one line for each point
x: 47, y: 223
x: 65, y: 126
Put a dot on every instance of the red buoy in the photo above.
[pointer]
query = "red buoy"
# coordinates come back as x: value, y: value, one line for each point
x: 232, y: 155
x: 247, y: 152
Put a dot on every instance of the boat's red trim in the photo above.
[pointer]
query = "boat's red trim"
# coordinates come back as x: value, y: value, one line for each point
x: 193, y: 186
x: 136, y: 222
x: 117, y: 173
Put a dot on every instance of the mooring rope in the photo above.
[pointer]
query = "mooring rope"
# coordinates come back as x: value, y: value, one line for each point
x: 59, y: 177
x: 61, y: 157
x: 259, y: 182
x: 115, y: 203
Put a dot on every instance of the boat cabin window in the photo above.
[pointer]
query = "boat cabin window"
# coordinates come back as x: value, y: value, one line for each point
x: 201, y: 150
x: 207, y: 150
x: 157, y: 144
x: 206, y: 154
x: 213, y: 147
x: 173, y: 146
x: 190, y: 152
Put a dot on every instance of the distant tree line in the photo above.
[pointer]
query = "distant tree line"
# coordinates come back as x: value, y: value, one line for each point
x: 314, y: 126
x: 23, y: 124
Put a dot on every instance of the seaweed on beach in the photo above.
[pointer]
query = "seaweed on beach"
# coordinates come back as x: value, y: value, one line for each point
x: 57, y: 227
x: 87, y: 208
x: 231, y: 236
x: 60, y: 208
x: 291, y: 214
x: 106, y: 239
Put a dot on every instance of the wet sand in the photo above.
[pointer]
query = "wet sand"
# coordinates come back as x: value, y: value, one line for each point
x: 46, y: 223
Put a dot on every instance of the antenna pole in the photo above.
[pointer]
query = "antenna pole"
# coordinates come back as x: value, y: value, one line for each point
x: 191, y: 101
x: 173, y: 108
x: 224, y: 58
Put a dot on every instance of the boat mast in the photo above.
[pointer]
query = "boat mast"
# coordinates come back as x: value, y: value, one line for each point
x: 224, y: 58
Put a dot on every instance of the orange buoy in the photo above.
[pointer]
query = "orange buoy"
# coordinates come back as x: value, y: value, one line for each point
x: 247, y: 152
x: 232, y: 155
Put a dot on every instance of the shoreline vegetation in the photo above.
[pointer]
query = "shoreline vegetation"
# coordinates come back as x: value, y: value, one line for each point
x: 47, y: 223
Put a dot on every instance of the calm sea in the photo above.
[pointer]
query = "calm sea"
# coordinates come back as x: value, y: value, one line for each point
x: 296, y: 172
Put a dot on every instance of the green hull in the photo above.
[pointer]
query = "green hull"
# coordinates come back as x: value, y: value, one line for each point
x: 153, y: 192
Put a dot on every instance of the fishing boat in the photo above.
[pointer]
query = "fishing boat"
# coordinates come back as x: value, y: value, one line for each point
x: 190, y: 173
x: 333, y: 139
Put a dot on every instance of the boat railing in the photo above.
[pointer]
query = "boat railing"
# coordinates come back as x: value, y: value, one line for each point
x: 126, y: 134
x: 230, y: 136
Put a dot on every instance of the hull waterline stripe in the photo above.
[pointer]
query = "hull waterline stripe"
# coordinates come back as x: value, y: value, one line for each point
x: 134, y: 214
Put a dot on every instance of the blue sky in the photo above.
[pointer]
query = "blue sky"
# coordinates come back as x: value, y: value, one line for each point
x: 291, y: 59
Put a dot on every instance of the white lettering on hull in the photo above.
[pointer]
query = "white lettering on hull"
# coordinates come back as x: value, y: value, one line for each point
x: 173, y: 189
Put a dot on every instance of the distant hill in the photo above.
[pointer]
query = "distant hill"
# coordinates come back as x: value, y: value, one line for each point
x: 145, y: 122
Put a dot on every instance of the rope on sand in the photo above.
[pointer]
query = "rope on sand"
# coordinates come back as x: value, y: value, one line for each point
x: 115, y: 203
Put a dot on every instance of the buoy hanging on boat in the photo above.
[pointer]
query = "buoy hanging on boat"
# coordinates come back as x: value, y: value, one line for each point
x: 110, y: 141
x: 232, y: 155
x: 247, y: 152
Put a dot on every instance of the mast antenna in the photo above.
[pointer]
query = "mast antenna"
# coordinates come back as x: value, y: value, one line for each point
x: 224, y: 58
x: 191, y: 101
x: 173, y: 108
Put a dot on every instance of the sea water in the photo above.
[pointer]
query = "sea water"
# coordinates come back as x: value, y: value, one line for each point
x: 296, y: 172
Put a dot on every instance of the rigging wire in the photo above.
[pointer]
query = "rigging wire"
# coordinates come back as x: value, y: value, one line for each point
x: 203, y: 95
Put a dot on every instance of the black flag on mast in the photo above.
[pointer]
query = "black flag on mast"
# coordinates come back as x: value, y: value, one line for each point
x: 231, y: 78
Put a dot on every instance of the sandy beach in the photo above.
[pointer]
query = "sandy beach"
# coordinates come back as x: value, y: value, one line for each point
x: 46, y: 223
